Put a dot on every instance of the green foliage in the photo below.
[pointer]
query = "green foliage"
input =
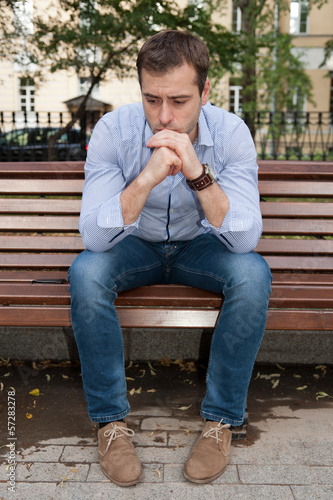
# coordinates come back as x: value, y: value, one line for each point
x: 100, y: 38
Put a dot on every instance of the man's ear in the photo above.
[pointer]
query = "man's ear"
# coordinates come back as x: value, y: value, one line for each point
x: 205, y: 93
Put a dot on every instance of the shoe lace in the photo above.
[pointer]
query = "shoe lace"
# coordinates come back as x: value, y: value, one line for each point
x: 214, y: 432
x: 115, y: 432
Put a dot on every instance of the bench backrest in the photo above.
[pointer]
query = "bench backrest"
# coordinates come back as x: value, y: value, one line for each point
x: 40, y: 206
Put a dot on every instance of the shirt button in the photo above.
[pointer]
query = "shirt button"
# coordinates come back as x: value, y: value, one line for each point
x: 172, y: 211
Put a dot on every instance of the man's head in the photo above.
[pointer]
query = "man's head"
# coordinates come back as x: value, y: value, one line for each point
x: 170, y: 49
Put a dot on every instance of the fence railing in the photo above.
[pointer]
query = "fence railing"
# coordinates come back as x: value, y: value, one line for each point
x: 291, y: 136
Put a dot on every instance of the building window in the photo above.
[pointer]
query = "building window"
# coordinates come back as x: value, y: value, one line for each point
x: 236, y: 22
x: 235, y: 98
x: 299, y: 15
x: 27, y: 95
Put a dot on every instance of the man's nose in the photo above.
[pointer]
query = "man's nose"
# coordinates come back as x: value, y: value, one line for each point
x: 165, y: 114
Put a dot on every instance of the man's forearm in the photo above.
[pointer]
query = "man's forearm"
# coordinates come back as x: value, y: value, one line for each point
x: 215, y: 204
x: 133, y: 199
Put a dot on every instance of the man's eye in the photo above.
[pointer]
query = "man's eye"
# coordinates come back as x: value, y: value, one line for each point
x: 179, y: 103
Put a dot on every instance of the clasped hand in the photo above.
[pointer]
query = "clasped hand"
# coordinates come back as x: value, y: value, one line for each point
x: 173, y: 153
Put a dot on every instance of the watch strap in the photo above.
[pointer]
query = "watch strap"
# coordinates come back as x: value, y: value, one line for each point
x: 203, y: 181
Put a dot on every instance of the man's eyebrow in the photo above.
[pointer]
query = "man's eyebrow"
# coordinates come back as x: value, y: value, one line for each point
x: 185, y: 96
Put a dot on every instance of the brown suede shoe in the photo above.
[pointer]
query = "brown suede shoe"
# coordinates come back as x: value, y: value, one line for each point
x: 210, y: 454
x: 117, y: 456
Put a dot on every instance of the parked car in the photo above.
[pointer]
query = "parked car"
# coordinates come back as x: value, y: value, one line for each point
x: 31, y: 144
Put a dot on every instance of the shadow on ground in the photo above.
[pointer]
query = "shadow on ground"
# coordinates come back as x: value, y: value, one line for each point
x: 176, y: 387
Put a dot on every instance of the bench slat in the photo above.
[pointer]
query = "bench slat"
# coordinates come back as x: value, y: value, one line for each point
x: 75, y: 243
x: 74, y: 186
x: 282, y: 296
x: 277, y: 319
x: 39, y: 206
x: 29, y: 276
x: 296, y: 209
x: 73, y: 207
x: 43, y: 168
x: 281, y: 246
x: 51, y: 260
x: 63, y: 224
x: 37, y: 261
x: 308, y: 189
x: 308, y: 279
x: 42, y: 243
x: 289, y: 169
x: 309, y: 227
x: 41, y: 223
x: 271, y: 169
x: 41, y: 186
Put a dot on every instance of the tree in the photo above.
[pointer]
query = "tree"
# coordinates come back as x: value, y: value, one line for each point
x: 270, y: 73
x: 99, y: 39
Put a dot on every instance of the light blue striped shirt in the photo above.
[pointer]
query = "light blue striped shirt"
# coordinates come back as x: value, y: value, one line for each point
x: 117, y: 153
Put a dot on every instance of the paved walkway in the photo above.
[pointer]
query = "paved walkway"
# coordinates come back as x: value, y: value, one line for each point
x: 287, y: 453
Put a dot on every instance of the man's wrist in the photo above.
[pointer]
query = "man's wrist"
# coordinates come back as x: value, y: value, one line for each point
x: 204, y: 180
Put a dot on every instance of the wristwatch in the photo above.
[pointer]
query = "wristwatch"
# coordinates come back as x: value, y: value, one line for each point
x: 204, y: 180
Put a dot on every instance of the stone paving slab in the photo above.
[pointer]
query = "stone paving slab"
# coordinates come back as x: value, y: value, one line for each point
x: 312, y: 492
x: 282, y: 474
x: 252, y: 492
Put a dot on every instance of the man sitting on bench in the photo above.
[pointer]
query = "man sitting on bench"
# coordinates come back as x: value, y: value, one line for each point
x: 170, y: 196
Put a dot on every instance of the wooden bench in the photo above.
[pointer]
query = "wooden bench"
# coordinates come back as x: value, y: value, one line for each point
x: 39, y: 211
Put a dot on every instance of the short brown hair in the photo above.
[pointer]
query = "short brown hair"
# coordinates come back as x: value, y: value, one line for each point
x: 171, y: 48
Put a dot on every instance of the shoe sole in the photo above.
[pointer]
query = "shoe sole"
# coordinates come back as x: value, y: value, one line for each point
x: 203, y: 481
x: 119, y: 483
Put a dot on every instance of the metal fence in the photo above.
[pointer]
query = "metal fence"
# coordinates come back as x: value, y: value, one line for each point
x: 290, y: 136
x: 293, y: 135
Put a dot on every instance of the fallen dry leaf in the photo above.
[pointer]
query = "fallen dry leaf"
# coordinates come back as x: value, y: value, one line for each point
x: 132, y: 391
x: 275, y: 383
x: 35, y: 392
x: 28, y: 416
x: 269, y: 377
x: 301, y: 388
x: 130, y: 378
x: 183, y: 408
x: 152, y: 371
x: 165, y: 361
x: 322, y: 395
x: 158, y: 473
x: 280, y: 367
x: 151, y: 390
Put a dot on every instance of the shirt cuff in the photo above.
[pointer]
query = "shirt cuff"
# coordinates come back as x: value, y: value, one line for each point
x: 110, y: 215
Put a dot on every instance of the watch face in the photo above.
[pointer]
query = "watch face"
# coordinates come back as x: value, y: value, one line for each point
x: 209, y: 171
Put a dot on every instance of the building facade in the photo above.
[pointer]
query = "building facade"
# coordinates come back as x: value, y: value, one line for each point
x: 311, y: 30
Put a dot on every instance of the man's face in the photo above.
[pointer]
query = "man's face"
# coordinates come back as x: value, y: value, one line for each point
x: 172, y: 101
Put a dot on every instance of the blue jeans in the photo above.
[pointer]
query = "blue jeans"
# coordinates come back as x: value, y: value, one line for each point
x: 96, y: 278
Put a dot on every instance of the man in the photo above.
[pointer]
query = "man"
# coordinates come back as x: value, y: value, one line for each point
x: 170, y: 196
